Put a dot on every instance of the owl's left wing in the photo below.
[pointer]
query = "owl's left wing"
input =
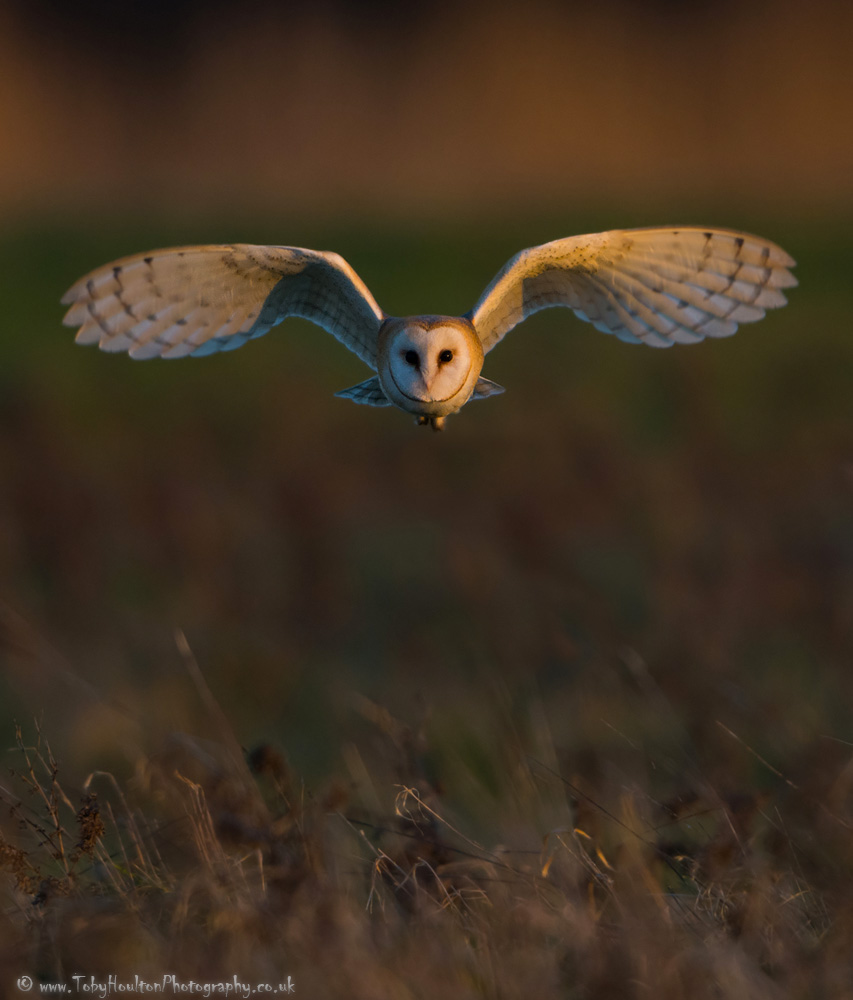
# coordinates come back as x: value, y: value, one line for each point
x: 198, y: 300
x: 650, y: 286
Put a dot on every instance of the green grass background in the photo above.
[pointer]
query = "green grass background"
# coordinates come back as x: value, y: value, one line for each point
x: 613, y: 496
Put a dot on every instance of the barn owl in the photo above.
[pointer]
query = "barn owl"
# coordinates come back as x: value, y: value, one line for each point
x: 656, y: 286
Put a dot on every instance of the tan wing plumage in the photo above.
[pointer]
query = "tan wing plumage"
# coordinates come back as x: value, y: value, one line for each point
x: 198, y: 300
x: 651, y: 286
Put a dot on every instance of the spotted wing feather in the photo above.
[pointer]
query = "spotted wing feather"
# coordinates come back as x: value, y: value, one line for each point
x: 652, y: 286
x: 368, y: 393
x: 198, y: 300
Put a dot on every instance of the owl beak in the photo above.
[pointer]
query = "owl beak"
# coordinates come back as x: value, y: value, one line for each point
x: 428, y: 373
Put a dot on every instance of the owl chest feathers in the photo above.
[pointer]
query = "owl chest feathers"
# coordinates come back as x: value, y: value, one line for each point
x: 429, y: 365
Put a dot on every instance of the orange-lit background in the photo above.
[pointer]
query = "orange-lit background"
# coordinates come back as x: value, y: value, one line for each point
x: 339, y: 108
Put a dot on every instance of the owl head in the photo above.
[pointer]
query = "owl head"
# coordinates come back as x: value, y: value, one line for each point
x: 429, y: 365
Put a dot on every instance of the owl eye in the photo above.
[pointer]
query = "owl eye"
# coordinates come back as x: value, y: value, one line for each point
x: 411, y: 358
x: 445, y: 356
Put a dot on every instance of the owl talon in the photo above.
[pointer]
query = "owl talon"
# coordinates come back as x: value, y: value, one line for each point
x: 437, y: 423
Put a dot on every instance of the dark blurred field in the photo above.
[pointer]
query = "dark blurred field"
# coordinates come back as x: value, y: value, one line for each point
x: 633, y: 573
x: 556, y: 704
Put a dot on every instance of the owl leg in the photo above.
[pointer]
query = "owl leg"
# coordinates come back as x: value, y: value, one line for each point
x: 420, y: 421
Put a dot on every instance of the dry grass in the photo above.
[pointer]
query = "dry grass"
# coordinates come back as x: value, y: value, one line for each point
x: 210, y: 865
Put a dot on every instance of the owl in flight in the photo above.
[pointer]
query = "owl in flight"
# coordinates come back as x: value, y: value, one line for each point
x: 656, y: 286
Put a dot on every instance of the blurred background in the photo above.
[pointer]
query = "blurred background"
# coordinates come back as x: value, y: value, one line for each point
x: 595, y: 568
x: 415, y: 111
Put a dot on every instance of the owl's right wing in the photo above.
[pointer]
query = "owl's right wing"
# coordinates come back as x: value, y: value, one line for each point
x: 198, y: 300
x: 655, y: 286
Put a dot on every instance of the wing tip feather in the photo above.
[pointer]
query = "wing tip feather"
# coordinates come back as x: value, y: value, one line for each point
x: 88, y: 335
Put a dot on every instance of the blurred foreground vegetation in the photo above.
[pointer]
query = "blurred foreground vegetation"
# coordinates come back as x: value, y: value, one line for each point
x: 600, y: 630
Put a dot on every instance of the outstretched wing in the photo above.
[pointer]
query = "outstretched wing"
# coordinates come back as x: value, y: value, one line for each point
x: 198, y: 300
x: 650, y: 286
